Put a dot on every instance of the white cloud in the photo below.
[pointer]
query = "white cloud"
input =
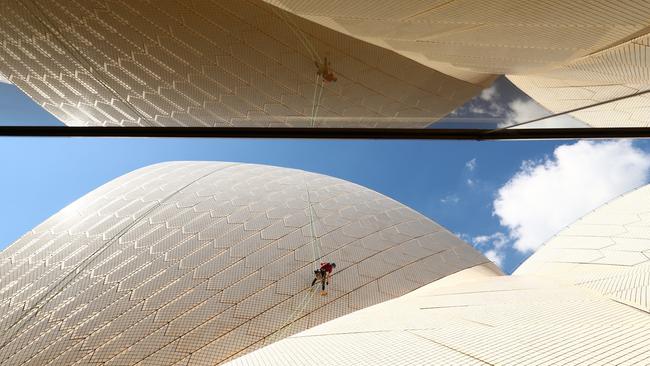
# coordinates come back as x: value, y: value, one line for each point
x: 496, y: 104
x: 490, y: 93
x: 502, y: 105
x: 451, y: 199
x: 471, y: 165
x: 493, y: 246
x: 3, y: 79
x: 545, y: 196
x: 476, y: 109
x: 520, y: 110
x: 495, y: 256
x: 524, y: 110
x: 486, y: 104
x: 497, y: 239
x: 464, y: 237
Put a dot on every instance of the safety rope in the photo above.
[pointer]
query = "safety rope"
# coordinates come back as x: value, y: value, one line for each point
x: 313, y: 101
x: 306, y: 300
x: 316, y: 104
x: 317, y: 256
x: 313, y: 53
x: 636, y: 94
x: 316, y: 250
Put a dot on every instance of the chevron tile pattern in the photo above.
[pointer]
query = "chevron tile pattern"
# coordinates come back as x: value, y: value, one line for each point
x: 211, y: 63
x: 607, y: 251
x: 193, y: 263
x: 612, y: 73
x: 472, y: 39
x: 581, y: 299
x: 254, y: 63
x: 480, y: 320
x: 564, y: 55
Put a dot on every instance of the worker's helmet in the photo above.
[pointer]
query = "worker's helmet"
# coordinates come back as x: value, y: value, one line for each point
x: 333, y: 264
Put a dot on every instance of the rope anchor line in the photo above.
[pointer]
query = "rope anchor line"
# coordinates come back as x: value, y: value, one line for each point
x: 306, y: 299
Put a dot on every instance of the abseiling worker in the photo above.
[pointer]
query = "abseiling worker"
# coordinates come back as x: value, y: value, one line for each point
x: 325, y: 71
x: 323, y: 275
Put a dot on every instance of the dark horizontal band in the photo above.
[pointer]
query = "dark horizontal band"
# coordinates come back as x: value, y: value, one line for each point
x: 328, y: 133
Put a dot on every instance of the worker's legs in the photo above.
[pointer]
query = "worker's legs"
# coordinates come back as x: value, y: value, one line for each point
x: 317, y: 277
x: 322, y: 291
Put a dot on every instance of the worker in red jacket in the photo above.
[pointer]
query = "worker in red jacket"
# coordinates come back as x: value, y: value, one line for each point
x: 323, y: 275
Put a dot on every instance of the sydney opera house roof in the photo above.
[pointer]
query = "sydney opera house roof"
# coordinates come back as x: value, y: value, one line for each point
x: 192, y: 263
x: 258, y: 63
x: 582, y: 299
x: 204, y: 263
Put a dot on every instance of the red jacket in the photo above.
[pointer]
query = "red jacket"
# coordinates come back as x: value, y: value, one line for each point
x: 327, y: 267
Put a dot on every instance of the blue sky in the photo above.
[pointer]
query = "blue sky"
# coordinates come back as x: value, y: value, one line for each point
x: 454, y: 183
x: 19, y: 110
x: 42, y: 175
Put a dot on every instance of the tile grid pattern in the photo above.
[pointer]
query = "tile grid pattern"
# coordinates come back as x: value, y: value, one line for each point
x: 484, y: 321
x: 563, y: 54
x: 209, y: 63
x: 581, y: 299
x: 201, y: 262
x: 245, y: 63
x: 472, y: 38
x: 616, y: 72
x: 607, y: 251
